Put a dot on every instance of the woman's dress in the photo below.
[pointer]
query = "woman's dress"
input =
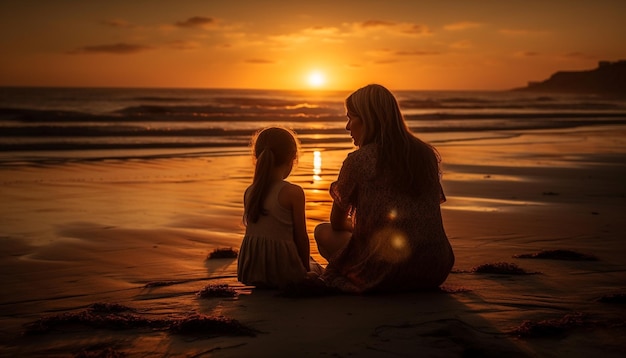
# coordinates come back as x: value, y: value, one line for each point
x: 398, y: 242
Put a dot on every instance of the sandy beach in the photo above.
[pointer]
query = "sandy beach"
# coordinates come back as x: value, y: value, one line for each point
x: 137, y: 233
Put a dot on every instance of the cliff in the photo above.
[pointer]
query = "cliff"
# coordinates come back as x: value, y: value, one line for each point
x: 607, y: 78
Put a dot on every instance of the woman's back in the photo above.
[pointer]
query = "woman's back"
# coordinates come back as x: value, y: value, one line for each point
x: 398, y: 241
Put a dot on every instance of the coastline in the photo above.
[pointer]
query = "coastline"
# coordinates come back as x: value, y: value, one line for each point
x: 78, y: 233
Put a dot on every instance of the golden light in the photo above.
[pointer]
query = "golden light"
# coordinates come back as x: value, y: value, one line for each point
x: 391, y: 245
x: 317, y: 165
x: 398, y: 242
x: 316, y: 79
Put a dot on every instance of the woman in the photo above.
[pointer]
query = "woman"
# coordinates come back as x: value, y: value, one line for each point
x: 385, y: 232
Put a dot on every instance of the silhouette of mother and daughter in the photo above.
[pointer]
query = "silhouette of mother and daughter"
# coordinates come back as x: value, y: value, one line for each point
x: 385, y: 232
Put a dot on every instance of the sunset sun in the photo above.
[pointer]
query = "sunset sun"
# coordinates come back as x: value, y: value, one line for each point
x: 316, y: 79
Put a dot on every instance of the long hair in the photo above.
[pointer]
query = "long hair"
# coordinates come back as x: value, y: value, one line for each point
x: 410, y: 162
x: 271, y: 147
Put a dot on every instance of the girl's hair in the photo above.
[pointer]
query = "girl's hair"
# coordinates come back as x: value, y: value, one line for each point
x: 271, y: 147
x: 412, y: 163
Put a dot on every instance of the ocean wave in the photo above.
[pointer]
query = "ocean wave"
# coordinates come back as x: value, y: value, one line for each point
x: 157, y: 99
x: 540, y: 103
x: 277, y: 103
x: 148, y: 113
x: 76, y: 120
x: 209, y: 110
x: 153, y: 113
x: 89, y: 137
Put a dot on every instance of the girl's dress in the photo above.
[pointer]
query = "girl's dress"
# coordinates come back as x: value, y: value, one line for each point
x: 398, y: 242
x: 268, y: 256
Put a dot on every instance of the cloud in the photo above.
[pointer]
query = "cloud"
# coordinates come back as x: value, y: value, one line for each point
x: 333, y: 35
x: 462, y: 25
x: 326, y: 34
x: 183, y: 45
x: 315, y: 33
x: 380, y: 53
x: 416, y: 53
x: 118, y: 23
x: 375, y: 23
x: 289, y: 39
x: 116, y: 49
x: 578, y: 55
x: 260, y: 61
x: 196, y: 22
x: 527, y: 54
x: 561, y: 56
x: 388, y: 56
x: 521, y: 32
x: 460, y: 45
x: 385, y: 61
x: 414, y: 29
x: 394, y: 28
x: 321, y: 31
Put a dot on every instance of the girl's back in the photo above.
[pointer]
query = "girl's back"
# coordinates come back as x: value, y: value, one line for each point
x: 268, y: 256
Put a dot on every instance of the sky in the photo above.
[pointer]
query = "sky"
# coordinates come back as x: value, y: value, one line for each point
x: 304, y: 44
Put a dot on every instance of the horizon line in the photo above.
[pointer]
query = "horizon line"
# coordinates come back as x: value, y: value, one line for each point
x: 313, y: 90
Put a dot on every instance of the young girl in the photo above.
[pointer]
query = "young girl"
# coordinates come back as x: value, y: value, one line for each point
x: 275, y: 249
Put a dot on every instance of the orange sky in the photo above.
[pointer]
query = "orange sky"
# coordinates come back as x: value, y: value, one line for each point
x: 464, y: 44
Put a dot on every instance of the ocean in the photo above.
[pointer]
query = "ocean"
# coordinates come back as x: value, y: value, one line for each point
x: 118, y: 196
x: 40, y: 124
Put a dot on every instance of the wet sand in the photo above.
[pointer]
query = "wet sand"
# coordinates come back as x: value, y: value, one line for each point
x: 137, y: 233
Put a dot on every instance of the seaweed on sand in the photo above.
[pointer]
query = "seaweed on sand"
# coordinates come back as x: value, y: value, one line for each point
x: 550, y: 327
x: 152, y: 284
x: 91, y: 318
x: 613, y: 298
x: 98, y: 352
x: 558, y: 254
x: 219, y: 290
x: 453, y: 290
x: 200, y: 323
x: 223, y: 253
x: 104, y: 307
x: 501, y: 268
x: 118, y: 317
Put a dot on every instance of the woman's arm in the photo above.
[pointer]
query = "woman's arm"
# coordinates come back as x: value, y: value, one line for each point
x: 340, y: 219
x: 300, y: 236
x: 333, y: 237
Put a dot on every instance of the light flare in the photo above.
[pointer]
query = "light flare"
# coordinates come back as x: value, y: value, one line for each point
x: 391, y: 245
x: 398, y: 242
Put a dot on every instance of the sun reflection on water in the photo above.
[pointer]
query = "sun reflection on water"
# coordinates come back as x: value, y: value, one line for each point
x: 317, y: 165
